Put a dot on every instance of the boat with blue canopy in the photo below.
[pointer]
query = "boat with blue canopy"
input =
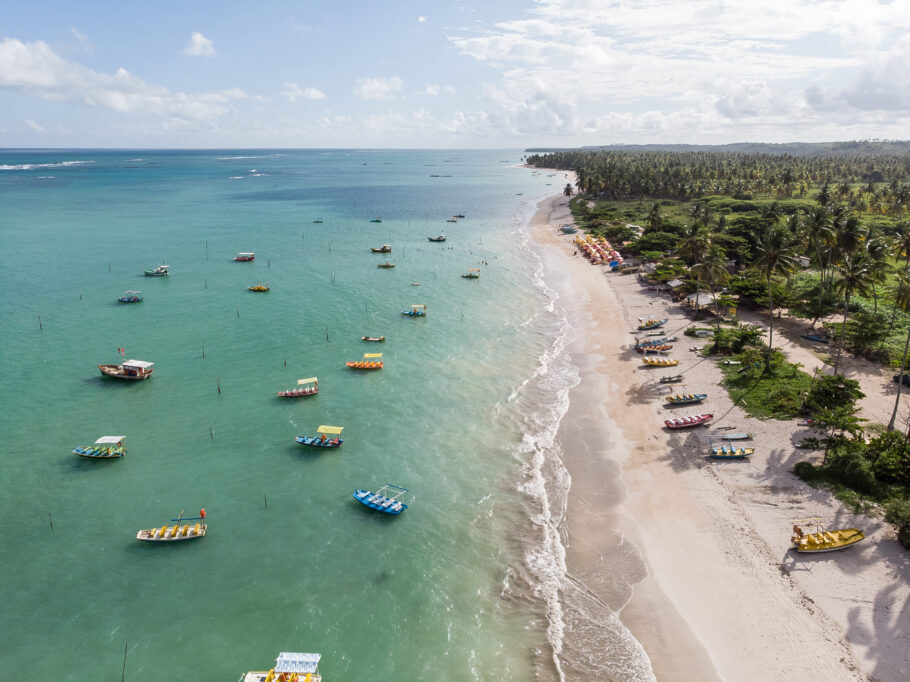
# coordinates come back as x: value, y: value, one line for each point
x: 106, y: 447
x: 419, y: 310
x: 323, y: 440
x: 131, y: 297
x: 386, y: 500
x: 289, y: 667
x: 177, y: 532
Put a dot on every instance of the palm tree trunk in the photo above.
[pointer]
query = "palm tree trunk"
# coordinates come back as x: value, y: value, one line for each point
x: 770, y: 327
x: 843, y: 331
x: 900, y: 383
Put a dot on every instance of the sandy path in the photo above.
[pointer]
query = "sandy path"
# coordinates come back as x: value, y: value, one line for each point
x: 723, y: 597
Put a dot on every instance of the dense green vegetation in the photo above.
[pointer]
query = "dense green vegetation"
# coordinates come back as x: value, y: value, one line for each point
x: 822, y: 234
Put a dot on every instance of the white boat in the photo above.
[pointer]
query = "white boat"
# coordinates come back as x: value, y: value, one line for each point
x: 289, y: 667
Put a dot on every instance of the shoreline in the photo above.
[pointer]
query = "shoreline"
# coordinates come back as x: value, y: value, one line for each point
x: 713, y: 592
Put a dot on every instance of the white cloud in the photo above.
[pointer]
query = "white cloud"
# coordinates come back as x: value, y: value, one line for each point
x: 34, y: 69
x: 378, y: 88
x: 421, y: 19
x: 34, y: 127
x: 83, y: 40
x: 199, y: 46
x: 435, y: 90
x: 292, y: 91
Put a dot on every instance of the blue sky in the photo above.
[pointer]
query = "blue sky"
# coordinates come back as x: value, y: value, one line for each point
x: 510, y: 73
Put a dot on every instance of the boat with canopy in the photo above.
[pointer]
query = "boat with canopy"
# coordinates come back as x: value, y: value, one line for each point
x: 245, y: 257
x: 370, y: 361
x: 821, y: 540
x: 418, y: 310
x: 131, y: 370
x: 262, y: 286
x: 386, y: 499
x: 473, y: 273
x: 158, y: 271
x: 650, y: 361
x: 305, y: 387
x: 177, y: 532
x: 106, y: 447
x: 440, y: 238
x: 289, y: 667
x: 688, y: 422
x: 385, y: 248
x: 323, y: 440
x: 131, y: 297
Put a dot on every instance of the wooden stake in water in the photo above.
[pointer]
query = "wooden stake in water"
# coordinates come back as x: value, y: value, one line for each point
x: 238, y: 311
x: 203, y: 349
x: 108, y: 267
x: 218, y: 384
x: 268, y: 262
x: 265, y: 500
x: 40, y: 326
x: 285, y: 359
x: 51, y: 519
x: 211, y: 433
x: 326, y: 333
x: 206, y: 284
x: 123, y: 674
x: 206, y: 249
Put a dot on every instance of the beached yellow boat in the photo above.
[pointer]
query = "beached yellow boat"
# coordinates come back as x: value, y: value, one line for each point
x: 659, y: 362
x: 823, y: 540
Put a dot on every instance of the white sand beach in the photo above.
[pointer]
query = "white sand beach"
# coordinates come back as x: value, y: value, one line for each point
x: 723, y: 597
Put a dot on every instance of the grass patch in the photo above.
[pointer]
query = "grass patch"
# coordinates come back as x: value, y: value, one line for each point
x: 775, y: 393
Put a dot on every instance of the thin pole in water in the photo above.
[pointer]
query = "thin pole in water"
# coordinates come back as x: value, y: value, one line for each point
x: 218, y: 384
x: 326, y: 333
x: 211, y: 433
x: 238, y: 311
x: 108, y: 267
x: 285, y: 359
x: 123, y: 674
x: 51, y: 519
x: 268, y: 262
x: 266, y: 500
x: 40, y: 326
x: 206, y: 249
x: 203, y: 349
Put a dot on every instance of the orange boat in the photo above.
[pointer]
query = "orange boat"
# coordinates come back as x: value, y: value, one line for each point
x: 370, y: 361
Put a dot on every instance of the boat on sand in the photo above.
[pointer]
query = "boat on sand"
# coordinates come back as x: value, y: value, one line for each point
x: 688, y: 422
x: 820, y: 541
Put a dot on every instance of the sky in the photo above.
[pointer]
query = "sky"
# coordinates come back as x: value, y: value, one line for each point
x: 467, y: 74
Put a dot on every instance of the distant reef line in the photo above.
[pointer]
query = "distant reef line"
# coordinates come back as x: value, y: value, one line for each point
x: 848, y: 148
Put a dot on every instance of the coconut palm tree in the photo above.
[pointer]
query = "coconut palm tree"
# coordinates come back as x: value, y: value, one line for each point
x: 712, y: 271
x: 902, y: 301
x: 818, y: 236
x: 776, y: 256
x: 855, y: 278
x: 693, y: 243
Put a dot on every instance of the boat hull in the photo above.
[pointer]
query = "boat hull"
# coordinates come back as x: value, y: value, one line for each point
x: 116, y: 372
x: 411, y: 313
x: 100, y: 453
x: 688, y: 422
x: 687, y: 400
x: 375, y: 339
x: 380, y: 503
x: 364, y: 365
x: 297, y: 393
x: 844, y: 538
x: 314, y: 442
x: 172, y: 533
x: 741, y: 453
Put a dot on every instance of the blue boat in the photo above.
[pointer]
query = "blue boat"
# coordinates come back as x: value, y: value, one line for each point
x: 131, y: 297
x: 416, y: 311
x: 686, y: 398
x: 323, y: 440
x: 106, y: 447
x: 651, y: 324
x: 385, y: 500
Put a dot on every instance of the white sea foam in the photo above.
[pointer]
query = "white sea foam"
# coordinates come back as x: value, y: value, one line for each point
x: 33, y: 166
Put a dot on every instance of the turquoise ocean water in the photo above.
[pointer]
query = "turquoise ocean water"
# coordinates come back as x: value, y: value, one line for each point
x: 464, y: 585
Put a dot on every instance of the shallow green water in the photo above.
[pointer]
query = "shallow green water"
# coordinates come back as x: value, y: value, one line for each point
x: 291, y: 562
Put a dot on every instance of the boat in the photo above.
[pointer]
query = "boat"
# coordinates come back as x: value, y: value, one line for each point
x: 131, y: 370
x: 659, y: 362
x: 377, y: 219
x: 385, y: 248
x: 370, y: 361
x: 735, y: 436
x: 675, y: 379
x: 686, y: 398
x: 655, y: 341
x: 304, y: 388
x: 440, y: 238
x: 176, y: 533
x: 458, y: 215
x: 289, y: 667
x: 473, y: 273
x: 377, y: 339
x: 388, y: 265
x: 259, y: 287
x: 416, y: 311
x: 654, y: 349
x: 131, y: 297
x: 818, y: 338
x: 687, y: 422
x: 651, y: 324
x: 106, y: 447
x: 453, y: 219
x: 730, y: 452
x: 568, y: 229
x: 245, y: 256
x: 318, y: 221
x: 158, y: 271
x: 823, y: 540
x: 323, y: 440
x: 385, y: 500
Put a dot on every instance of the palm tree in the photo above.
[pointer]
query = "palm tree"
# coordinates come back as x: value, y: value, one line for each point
x: 818, y: 235
x: 902, y: 301
x: 713, y: 271
x: 693, y: 243
x: 776, y: 256
x: 877, y: 247
x: 654, y: 218
x: 855, y: 278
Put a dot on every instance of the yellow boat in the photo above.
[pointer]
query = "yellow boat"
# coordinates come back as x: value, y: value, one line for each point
x: 177, y: 532
x: 823, y: 540
x: 659, y: 362
x: 289, y: 667
x: 370, y: 361
x: 259, y: 287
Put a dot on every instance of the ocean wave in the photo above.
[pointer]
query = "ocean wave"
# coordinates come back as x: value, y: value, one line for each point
x: 33, y: 166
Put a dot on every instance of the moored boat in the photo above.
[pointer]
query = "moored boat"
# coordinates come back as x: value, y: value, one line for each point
x: 106, y: 447
x: 131, y: 370
x: 458, y: 215
x: 131, y: 297
x: 158, y: 271
x: 370, y: 361
x: 388, y: 265
x: 822, y: 540
x: 377, y: 339
x: 318, y: 221
x: 687, y: 422
x: 377, y: 219
x: 245, y: 256
x: 289, y: 667
x: 440, y: 238
x: 262, y: 286
x: 453, y: 219
x: 473, y: 273
x: 177, y: 532
x: 304, y: 388
x: 323, y: 440
x: 659, y: 362
x: 385, y: 248
x: 418, y: 310
x: 386, y: 499
x: 729, y: 452
x: 686, y: 398
x: 651, y: 324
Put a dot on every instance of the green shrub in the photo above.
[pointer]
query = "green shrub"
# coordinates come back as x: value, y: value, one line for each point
x: 847, y: 463
x: 897, y: 511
